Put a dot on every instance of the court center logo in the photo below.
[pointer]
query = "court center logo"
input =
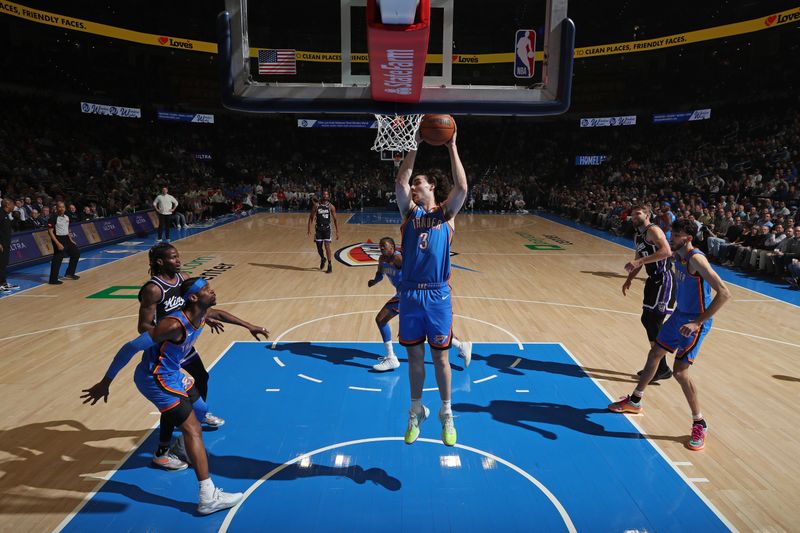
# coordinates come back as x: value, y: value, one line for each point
x: 363, y: 254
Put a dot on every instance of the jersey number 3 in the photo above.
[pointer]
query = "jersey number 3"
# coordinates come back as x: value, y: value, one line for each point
x: 423, y: 241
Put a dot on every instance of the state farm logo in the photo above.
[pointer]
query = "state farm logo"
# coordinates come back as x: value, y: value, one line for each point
x: 176, y: 43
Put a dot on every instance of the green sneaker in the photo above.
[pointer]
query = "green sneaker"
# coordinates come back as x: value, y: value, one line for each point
x: 414, y: 421
x: 448, y: 430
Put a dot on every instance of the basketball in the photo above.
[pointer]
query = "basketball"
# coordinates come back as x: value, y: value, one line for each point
x: 437, y: 129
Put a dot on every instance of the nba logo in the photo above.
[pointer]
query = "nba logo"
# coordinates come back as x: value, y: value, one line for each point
x: 525, y: 53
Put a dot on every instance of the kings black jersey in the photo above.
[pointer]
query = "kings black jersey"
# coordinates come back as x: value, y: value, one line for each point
x: 323, y: 217
x: 171, y: 299
x: 646, y: 248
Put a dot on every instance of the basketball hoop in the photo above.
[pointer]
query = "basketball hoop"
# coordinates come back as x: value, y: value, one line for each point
x: 396, y: 132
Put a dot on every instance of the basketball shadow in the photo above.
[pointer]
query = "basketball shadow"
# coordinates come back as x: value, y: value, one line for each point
x: 502, y: 363
x: 55, y: 457
x: 525, y: 415
x: 285, y: 267
x: 786, y: 378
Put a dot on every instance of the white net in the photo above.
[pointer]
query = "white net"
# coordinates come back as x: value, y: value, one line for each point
x: 396, y: 132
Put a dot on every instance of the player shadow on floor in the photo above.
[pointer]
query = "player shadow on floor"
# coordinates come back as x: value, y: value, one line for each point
x: 604, y: 274
x: 229, y: 467
x: 233, y: 466
x: 341, y: 355
x: 330, y: 354
x: 525, y: 414
x: 48, y: 458
x: 503, y: 362
x: 785, y: 378
x: 285, y: 267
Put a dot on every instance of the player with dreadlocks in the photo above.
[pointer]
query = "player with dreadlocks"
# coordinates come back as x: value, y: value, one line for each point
x: 158, y: 297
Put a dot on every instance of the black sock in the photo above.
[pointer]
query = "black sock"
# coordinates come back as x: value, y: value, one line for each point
x: 635, y: 398
x: 702, y: 422
x: 162, y: 449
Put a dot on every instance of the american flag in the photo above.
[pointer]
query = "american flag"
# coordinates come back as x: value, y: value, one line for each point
x: 277, y: 61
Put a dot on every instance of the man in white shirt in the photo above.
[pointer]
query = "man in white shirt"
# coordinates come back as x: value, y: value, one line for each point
x: 164, y: 205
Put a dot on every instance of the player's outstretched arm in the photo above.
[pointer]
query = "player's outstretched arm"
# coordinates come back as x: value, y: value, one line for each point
x: 701, y: 265
x: 455, y: 200
x: 402, y: 189
x: 166, y: 330
x: 377, y: 279
x: 224, y: 316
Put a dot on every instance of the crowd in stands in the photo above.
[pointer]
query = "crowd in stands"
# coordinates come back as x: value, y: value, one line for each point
x: 736, y: 179
x: 735, y: 175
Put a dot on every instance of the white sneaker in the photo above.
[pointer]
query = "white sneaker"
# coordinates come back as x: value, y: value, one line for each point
x: 465, y: 352
x: 218, y: 501
x: 389, y: 362
x: 213, y: 421
x: 178, y: 449
x: 169, y: 461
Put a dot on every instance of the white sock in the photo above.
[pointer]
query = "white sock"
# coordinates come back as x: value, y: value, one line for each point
x: 698, y: 416
x: 206, y: 489
x: 456, y: 343
x: 446, y: 408
x: 416, y: 405
x: 389, y: 349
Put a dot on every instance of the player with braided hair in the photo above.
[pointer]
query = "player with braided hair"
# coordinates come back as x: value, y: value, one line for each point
x: 158, y: 297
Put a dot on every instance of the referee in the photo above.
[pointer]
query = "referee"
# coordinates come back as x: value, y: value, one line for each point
x: 6, y: 208
x: 58, y: 228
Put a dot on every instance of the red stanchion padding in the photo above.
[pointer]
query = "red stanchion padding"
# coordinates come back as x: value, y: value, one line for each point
x: 397, y: 54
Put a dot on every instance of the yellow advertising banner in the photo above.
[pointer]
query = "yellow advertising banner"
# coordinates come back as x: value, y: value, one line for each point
x: 772, y: 20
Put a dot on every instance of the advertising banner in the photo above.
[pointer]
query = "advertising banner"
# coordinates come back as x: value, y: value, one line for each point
x: 197, y: 118
x: 685, y: 116
x: 111, y: 110
x: 629, y: 120
x: 315, y: 123
x: 589, y: 160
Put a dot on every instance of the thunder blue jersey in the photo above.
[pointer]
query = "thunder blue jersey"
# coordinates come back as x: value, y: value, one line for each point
x: 426, y: 246
x: 694, y: 294
x: 165, y: 360
x: 392, y: 272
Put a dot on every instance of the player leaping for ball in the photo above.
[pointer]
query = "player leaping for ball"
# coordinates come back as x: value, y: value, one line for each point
x: 390, y: 264
x: 427, y: 313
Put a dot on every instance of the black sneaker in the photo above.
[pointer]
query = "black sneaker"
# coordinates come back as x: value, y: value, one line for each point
x: 56, y: 282
x: 72, y: 277
x: 330, y: 269
x: 666, y: 374
x: 322, y: 263
x: 11, y: 286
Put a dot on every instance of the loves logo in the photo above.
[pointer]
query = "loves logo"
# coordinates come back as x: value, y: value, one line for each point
x: 163, y: 40
x: 770, y: 20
